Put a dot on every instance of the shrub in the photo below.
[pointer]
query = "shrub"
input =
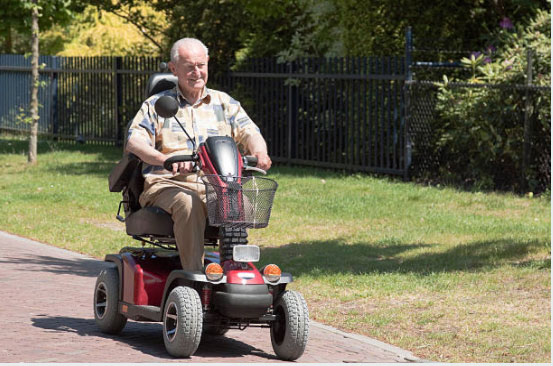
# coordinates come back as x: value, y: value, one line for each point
x: 480, y: 129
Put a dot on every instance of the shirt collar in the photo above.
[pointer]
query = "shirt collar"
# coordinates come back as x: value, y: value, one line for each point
x: 205, y: 98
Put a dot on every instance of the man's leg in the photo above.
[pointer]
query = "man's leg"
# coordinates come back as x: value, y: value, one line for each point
x: 189, y: 215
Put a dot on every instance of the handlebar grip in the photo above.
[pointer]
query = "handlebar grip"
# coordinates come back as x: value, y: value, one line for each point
x: 251, y: 160
x: 168, y: 164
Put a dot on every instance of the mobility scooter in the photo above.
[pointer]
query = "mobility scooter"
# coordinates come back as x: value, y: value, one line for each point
x: 147, y: 283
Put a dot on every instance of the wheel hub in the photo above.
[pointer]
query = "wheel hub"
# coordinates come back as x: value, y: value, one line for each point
x: 101, y: 302
x: 279, y: 326
x: 171, y: 321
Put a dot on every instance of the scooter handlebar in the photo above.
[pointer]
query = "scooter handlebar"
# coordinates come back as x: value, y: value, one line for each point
x: 168, y: 164
x: 251, y: 160
x: 250, y: 164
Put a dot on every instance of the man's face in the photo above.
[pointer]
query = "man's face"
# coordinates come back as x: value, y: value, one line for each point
x: 191, y: 69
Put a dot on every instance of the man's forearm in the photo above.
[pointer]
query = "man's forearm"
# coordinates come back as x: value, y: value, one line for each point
x: 138, y: 146
x: 258, y: 148
x: 256, y: 144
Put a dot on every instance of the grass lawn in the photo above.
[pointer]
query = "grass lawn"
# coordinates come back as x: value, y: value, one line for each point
x: 451, y: 276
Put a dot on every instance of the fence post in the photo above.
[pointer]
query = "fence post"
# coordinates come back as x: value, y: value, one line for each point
x: 289, y: 103
x: 118, y: 97
x: 408, y: 53
x: 526, y: 147
x: 407, y: 101
x: 54, y: 97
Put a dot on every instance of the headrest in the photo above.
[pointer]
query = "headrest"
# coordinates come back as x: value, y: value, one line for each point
x: 160, y: 82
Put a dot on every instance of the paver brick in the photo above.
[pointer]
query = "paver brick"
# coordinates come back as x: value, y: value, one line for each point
x: 47, y: 316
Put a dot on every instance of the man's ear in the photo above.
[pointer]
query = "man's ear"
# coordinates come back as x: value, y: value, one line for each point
x: 172, y: 67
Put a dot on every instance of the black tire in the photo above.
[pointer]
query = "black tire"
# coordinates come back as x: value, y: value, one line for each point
x: 289, y: 332
x: 106, y: 302
x: 182, y: 322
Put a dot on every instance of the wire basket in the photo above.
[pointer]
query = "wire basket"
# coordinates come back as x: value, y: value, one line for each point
x: 239, y: 201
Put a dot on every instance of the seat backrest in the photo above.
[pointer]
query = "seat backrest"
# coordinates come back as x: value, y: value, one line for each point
x: 126, y: 176
x: 159, y: 82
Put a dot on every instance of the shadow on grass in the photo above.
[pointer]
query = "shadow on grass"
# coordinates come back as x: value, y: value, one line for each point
x: 101, y: 169
x: 335, y: 256
x: 106, y: 156
x: 20, y: 146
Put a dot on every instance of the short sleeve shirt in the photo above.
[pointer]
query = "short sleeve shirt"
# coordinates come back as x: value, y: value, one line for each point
x: 215, y: 114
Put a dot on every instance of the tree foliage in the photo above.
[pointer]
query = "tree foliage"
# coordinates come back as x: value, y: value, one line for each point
x: 480, y: 132
x: 300, y: 28
x: 234, y: 29
x: 96, y: 32
x: 15, y: 27
x: 372, y: 27
x: 218, y: 23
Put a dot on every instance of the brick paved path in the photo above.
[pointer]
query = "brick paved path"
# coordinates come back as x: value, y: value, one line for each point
x: 46, y: 316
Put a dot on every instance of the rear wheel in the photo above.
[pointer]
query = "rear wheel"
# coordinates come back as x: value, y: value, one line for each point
x: 182, y: 322
x: 290, y: 330
x: 106, y: 302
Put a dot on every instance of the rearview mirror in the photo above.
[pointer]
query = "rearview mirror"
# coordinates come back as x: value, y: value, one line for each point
x: 166, y: 106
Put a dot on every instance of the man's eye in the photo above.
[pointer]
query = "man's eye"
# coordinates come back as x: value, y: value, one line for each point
x: 192, y: 67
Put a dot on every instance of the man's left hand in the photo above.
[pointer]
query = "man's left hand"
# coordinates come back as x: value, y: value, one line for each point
x: 263, y: 160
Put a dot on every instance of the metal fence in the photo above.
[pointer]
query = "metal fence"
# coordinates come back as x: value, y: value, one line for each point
x: 502, y: 132
x: 505, y: 138
x: 15, y: 83
x: 337, y: 113
x: 360, y: 114
x: 82, y: 98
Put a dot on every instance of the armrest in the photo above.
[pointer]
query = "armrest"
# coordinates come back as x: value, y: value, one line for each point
x: 121, y: 173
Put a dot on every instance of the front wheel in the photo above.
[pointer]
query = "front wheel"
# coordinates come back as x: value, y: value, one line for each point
x: 106, y: 302
x: 290, y: 330
x: 182, y: 322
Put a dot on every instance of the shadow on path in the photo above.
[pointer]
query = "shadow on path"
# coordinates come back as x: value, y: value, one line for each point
x: 147, y: 338
x: 42, y: 263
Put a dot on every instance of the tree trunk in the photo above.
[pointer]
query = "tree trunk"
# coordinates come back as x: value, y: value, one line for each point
x: 32, y: 157
x: 8, y: 46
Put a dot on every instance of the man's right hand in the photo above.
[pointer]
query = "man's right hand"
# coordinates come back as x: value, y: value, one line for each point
x: 183, y: 167
x: 149, y: 155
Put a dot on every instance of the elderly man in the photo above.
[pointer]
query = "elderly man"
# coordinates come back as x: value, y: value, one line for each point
x: 203, y: 112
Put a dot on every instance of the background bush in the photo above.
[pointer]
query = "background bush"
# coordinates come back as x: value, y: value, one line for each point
x: 479, y: 131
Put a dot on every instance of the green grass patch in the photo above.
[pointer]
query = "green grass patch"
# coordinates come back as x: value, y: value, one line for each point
x: 452, y: 276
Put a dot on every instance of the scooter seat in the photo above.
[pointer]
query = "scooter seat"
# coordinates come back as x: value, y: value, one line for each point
x: 155, y: 222
x: 149, y: 221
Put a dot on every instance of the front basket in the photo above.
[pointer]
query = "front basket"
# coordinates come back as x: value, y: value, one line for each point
x: 239, y: 201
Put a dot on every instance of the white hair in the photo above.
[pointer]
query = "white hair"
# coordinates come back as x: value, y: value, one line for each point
x: 185, y: 42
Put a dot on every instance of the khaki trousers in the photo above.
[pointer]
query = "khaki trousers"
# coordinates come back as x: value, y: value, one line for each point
x: 185, y: 202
